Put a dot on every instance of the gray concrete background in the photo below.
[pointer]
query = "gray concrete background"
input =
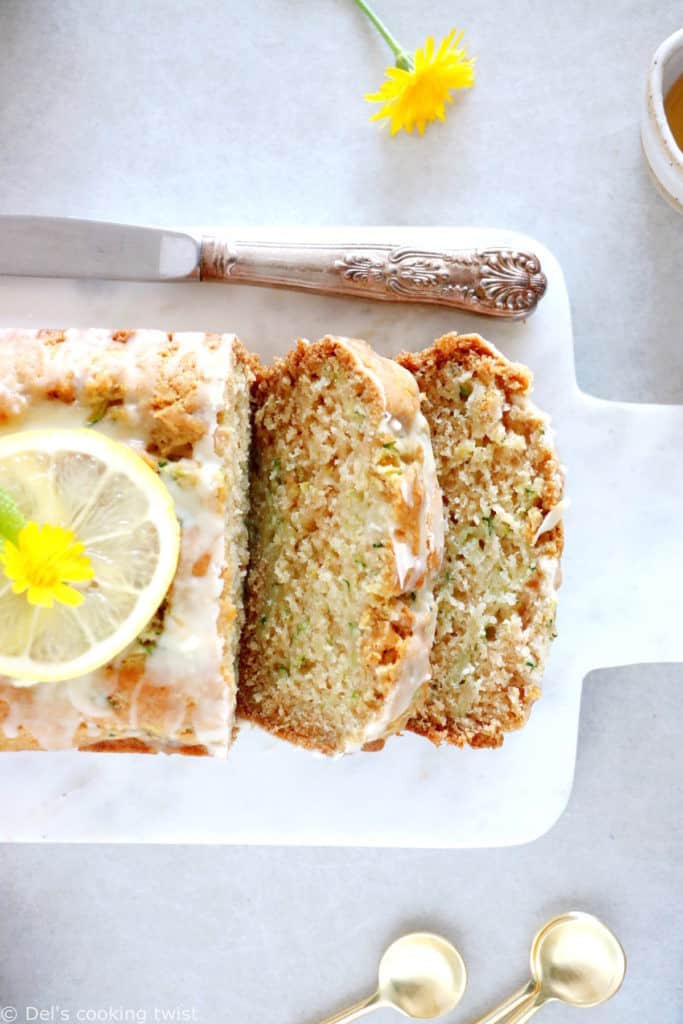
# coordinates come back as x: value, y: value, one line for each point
x: 251, y: 112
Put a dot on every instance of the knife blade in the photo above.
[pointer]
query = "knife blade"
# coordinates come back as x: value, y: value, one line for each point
x: 65, y: 247
x: 494, y: 281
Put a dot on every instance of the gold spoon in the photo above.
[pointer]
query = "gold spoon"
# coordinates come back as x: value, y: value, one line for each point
x: 420, y: 975
x: 575, y: 959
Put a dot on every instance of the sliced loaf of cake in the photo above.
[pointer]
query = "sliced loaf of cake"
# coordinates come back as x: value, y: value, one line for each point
x: 502, y: 489
x: 346, y: 538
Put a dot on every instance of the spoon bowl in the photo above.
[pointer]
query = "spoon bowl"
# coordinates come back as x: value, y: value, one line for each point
x: 576, y: 959
x: 422, y: 975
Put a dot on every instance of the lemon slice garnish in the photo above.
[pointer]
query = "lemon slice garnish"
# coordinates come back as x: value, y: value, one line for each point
x: 118, y: 508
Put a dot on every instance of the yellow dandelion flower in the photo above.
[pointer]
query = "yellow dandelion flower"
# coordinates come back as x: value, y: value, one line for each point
x: 419, y: 95
x: 419, y: 86
x: 42, y: 561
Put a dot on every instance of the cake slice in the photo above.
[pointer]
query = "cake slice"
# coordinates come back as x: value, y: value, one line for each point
x: 182, y: 402
x: 502, y: 490
x: 346, y: 536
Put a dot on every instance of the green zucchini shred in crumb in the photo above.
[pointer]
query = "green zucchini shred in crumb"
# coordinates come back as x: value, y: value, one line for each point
x: 530, y: 664
x: 465, y: 391
x: 378, y: 544
x: 390, y: 445
x: 97, y: 415
x: 348, y: 585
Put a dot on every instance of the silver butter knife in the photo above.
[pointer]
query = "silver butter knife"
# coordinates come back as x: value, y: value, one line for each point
x: 495, y: 282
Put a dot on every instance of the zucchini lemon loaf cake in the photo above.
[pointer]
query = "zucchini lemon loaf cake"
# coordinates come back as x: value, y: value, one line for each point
x: 346, y: 538
x: 502, y: 490
x: 181, y: 403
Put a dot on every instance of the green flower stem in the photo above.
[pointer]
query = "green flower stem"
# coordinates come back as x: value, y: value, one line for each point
x: 403, y: 58
x: 11, y: 519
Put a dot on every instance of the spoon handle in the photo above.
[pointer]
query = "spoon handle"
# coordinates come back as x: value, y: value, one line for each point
x: 525, y: 1010
x: 355, y: 1011
x: 517, y: 999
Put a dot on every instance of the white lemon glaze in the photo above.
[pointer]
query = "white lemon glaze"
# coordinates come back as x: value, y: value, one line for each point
x: 551, y: 519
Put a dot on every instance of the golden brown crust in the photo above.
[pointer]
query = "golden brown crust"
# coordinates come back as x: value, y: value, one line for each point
x: 473, y: 353
x: 502, y: 683
x: 133, y: 746
x: 248, y: 361
x: 172, y: 406
x: 402, y: 394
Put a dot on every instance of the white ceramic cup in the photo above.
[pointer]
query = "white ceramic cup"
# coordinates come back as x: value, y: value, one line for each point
x: 664, y: 158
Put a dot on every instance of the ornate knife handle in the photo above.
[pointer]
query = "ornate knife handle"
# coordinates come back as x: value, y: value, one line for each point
x: 496, y: 282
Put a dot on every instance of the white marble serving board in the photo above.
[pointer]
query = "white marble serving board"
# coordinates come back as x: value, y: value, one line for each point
x: 620, y: 601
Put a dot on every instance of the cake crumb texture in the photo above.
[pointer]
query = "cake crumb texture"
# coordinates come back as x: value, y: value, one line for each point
x: 345, y: 542
x: 496, y: 593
